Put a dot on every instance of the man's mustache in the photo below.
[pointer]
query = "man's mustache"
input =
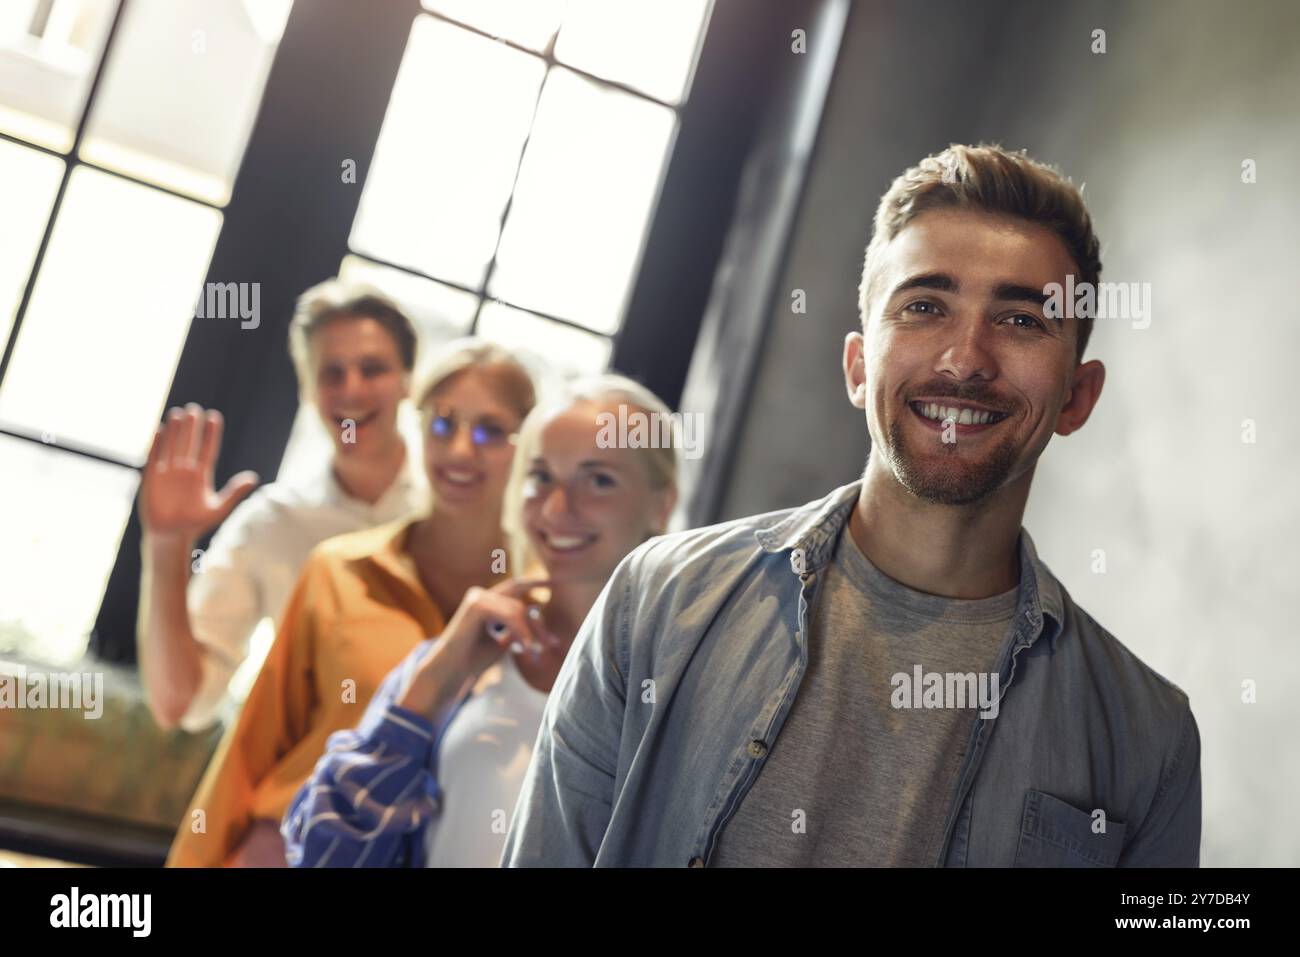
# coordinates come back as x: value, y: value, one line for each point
x: 981, y: 396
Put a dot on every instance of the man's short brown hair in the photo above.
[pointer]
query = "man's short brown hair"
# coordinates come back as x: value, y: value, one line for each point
x: 995, y: 180
x: 333, y: 300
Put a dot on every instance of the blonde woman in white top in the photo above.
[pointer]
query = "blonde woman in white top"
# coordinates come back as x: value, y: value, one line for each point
x: 431, y: 775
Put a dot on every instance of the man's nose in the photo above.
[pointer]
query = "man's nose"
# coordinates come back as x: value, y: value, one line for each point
x: 353, y: 383
x: 970, y: 355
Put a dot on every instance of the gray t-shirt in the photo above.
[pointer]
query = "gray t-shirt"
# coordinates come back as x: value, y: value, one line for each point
x: 854, y: 778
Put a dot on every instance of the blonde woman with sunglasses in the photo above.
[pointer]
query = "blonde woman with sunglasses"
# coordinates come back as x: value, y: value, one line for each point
x: 362, y: 602
x: 430, y: 776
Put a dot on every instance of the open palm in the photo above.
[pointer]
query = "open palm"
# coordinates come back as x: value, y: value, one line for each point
x: 177, y: 497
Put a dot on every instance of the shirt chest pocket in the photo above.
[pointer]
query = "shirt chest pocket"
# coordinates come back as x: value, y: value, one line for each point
x: 1056, y: 834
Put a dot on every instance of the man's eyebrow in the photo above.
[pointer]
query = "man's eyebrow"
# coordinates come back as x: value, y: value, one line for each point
x: 927, y: 280
x: 1011, y: 292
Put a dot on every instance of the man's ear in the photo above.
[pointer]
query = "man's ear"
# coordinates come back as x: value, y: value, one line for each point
x: 855, y: 369
x: 1085, y: 390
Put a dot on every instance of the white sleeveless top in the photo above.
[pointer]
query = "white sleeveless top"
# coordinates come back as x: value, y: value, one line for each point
x: 481, y: 763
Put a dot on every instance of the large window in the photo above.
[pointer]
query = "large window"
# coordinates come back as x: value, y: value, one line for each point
x: 121, y: 129
x: 516, y: 172
x: 514, y: 178
x: 520, y: 160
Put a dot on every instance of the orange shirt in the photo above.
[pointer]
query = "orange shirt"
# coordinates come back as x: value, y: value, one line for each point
x: 357, y: 610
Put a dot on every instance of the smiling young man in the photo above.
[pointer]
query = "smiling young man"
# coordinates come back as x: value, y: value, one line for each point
x: 888, y: 676
x: 353, y: 352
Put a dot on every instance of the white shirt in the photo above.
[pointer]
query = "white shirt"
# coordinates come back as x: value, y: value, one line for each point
x: 481, y: 763
x: 252, y: 564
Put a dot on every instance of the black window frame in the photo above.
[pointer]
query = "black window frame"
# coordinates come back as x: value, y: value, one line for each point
x: 289, y: 218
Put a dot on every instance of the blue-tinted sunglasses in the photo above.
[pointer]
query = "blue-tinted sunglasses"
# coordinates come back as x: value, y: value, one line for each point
x: 484, y: 433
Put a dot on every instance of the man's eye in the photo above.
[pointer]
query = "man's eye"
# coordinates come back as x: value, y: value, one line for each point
x: 371, y: 372
x: 923, y: 306
x: 1030, y: 321
x: 602, y: 480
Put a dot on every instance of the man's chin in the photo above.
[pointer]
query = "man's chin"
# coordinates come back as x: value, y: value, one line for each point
x: 944, y: 487
x: 948, y: 479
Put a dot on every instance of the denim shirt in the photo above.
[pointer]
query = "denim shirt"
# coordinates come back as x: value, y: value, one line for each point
x: 680, y: 679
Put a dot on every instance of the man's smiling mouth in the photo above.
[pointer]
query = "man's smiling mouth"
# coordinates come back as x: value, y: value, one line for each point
x: 342, y: 421
x: 941, y: 412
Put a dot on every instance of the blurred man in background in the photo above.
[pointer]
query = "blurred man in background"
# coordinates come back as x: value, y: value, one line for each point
x: 354, y: 353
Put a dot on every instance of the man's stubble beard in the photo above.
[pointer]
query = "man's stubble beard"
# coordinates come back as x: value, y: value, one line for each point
x: 956, y: 483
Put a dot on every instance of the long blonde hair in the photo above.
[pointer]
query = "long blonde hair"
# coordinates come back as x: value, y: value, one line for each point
x: 471, y: 352
x: 661, y: 463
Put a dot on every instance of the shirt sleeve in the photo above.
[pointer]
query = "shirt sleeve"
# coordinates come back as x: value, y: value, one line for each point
x: 226, y: 600
x: 274, y: 718
x: 1170, y: 836
x: 372, y: 794
x: 568, y: 791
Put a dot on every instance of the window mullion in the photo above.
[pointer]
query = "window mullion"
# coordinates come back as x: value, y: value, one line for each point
x: 71, y: 163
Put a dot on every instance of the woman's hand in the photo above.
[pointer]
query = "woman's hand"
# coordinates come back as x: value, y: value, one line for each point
x: 488, y: 623
x: 177, y: 499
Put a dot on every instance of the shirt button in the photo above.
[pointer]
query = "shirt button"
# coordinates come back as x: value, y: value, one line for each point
x: 757, y: 749
x: 697, y: 862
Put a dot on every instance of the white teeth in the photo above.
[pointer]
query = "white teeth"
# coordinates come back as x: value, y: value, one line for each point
x: 565, y: 543
x: 458, y: 478
x: 961, y: 416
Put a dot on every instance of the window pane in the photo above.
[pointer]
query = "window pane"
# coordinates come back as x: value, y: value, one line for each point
x: 109, y: 313
x: 529, y: 23
x: 649, y: 45
x: 48, y: 53
x: 448, y: 152
x: 551, y: 351
x: 589, y: 180
x: 439, y: 312
x: 181, y: 91
x: 28, y: 182
x: 62, y: 516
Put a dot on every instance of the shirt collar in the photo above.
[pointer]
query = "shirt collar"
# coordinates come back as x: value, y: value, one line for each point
x: 394, y: 499
x: 391, y: 554
x: 386, y: 548
x: 810, y: 532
